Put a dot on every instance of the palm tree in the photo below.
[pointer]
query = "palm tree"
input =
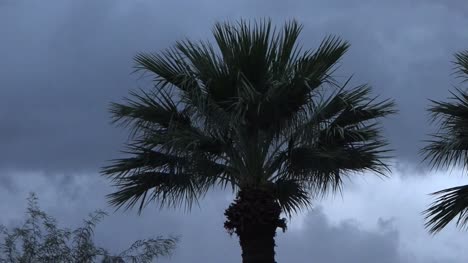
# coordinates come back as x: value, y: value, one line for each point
x: 255, y: 114
x: 449, y: 147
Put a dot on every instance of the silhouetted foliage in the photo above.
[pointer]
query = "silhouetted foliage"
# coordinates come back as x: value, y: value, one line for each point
x: 255, y: 113
x: 40, y: 240
x: 449, y: 147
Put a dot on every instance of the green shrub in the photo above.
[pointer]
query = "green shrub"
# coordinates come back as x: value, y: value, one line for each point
x: 39, y: 239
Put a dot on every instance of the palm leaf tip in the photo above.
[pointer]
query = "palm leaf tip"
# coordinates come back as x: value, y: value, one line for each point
x: 292, y: 196
x: 449, y: 145
x: 451, y: 203
x: 461, y: 64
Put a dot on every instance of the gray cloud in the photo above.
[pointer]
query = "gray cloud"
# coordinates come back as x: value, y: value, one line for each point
x: 64, y: 61
x: 361, y: 228
x: 203, y: 237
x: 319, y: 241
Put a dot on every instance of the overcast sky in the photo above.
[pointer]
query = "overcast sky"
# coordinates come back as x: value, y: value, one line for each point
x: 63, y: 61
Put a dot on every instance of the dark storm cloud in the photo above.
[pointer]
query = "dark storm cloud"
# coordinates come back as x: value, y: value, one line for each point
x: 61, y: 66
x: 62, y: 62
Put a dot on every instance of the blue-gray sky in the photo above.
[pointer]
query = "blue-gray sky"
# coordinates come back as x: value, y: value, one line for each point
x: 62, y: 62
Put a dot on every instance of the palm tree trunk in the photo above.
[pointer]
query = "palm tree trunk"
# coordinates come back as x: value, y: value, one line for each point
x: 258, y: 244
x: 254, y: 217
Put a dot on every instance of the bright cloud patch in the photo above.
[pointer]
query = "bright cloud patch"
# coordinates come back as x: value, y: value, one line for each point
x: 377, y: 220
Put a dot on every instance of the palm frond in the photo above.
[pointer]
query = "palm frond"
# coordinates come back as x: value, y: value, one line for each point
x: 290, y: 95
x: 340, y: 135
x: 177, y: 75
x: 344, y: 113
x: 156, y: 121
x: 446, y: 147
x: 461, y: 64
x: 171, y: 180
x: 247, y: 48
x: 291, y: 196
x: 149, y: 111
x: 168, y: 68
x: 323, y: 169
x: 143, y: 159
x: 449, y: 145
x: 450, y: 203
x: 168, y: 189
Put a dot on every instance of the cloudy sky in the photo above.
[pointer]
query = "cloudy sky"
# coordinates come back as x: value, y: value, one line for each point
x: 62, y: 62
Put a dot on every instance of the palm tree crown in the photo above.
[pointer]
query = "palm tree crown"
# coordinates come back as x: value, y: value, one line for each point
x: 252, y: 111
x: 449, y: 146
